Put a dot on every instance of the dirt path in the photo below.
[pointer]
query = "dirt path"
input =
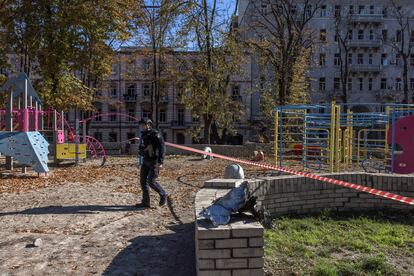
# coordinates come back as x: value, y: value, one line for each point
x: 88, y: 224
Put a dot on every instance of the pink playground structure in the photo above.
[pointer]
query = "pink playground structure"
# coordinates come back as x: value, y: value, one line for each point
x: 27, y: 132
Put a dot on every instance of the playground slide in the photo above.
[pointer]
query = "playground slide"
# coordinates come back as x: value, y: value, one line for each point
x: 27, y: 148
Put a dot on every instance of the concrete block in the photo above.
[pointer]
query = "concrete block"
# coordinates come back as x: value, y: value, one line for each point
x: 206, y: 244
x: 214, y: 254
x: 206, y: 264
x: 231, y: 263
x: 231, y: 243
x: 215, y: 273
x: 248, y: 272
x: 256, y: 242
x: 247, y: 252
x: 222, y: 183
x: 247, y: 230
x: 256, y: 262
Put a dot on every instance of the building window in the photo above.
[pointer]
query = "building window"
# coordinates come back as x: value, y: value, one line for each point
x: 371, y: 10
x: 146, y: 90
x: 385, y: 11
x: 370, y: 56
x: 98, y: 112
x: 398, y: 60
x: 398, y: 85
x: 235, y: 90
x: 113, y: 91
x: 361, y: 9
x: 384, y: 35
x: 360, y: 59
x: 308, y: 10
x: 180, y: 116
x: 113, y: 137
x: 371, y: 34
x: 146, y: 113
x: 350, y: 58
x: 264, y: 9
x: 337, y: 84
x: 360, y: 34
x: 337, y: 11
x: 293, y: 10
x: 337, y: 59
x: 350, y: 84
x: 113, y: 116
x: 131, y: 89
x: 114, y: 69
x: 322, y: 84
x: 146, y: 64
x: 323, y: 11
x: 370, y: 84
x: 361, y: 84
x: 98, y: 136
x: 398, y: 36
x: 384, y: 60
x: 350, y: 34
x: 351, y: 9
x: 322, y: 35
x: 163, y: 116
x: 322, y: 59
x: 383, y: 83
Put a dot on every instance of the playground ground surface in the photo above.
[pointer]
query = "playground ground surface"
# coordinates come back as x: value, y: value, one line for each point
x: 87, y: 221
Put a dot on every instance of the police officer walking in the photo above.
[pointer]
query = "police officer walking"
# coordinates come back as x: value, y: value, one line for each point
x: 152, y: 149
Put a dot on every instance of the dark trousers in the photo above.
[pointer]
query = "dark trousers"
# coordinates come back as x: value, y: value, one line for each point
x: 148, y: 179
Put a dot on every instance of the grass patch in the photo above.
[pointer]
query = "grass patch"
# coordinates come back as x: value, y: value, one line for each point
x: 335, y: 244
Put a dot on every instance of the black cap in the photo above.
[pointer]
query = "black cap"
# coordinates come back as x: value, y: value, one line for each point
x: 145, y: 121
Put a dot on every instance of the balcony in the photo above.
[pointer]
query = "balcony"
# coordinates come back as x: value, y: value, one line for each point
x: 130, y: 98
x: 365, y: 68
x: 374, y: 43
x: 367, y: 18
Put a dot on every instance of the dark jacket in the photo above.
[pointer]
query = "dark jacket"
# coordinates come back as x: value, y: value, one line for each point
x: 152, y: 146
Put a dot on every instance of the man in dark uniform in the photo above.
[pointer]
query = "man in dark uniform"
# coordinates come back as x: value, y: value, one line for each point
x: 152, y: 149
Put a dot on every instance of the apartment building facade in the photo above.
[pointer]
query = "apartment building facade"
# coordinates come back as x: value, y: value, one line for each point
x: 128, y: 91
x: 371, y: 32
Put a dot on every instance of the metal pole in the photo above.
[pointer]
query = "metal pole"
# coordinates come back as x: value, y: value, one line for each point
x: 25, y: 110
x: 77, y: 142
x: 84, y: 136
x: 42, y: 123
x: 9, y: 116
x: 55, y: 136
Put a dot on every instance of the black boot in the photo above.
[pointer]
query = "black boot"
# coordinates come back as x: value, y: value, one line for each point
x: 163, y: 199
x: 143, y: 205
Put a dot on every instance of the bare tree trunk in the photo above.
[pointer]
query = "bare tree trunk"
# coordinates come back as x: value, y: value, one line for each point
x: 207, y: 128
x: 405, y: 78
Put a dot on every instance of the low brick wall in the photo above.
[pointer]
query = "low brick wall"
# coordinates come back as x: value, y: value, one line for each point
x: 237, y: 248
x: 227, y: 250
x: 298, y: 195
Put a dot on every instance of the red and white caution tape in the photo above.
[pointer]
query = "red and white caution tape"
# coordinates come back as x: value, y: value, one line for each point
x: 349, y: 185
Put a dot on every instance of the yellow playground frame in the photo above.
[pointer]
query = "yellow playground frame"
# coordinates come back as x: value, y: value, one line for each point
x: 326, y: 138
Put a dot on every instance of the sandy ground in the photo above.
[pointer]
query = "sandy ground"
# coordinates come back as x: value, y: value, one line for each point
x: 88, y: 224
